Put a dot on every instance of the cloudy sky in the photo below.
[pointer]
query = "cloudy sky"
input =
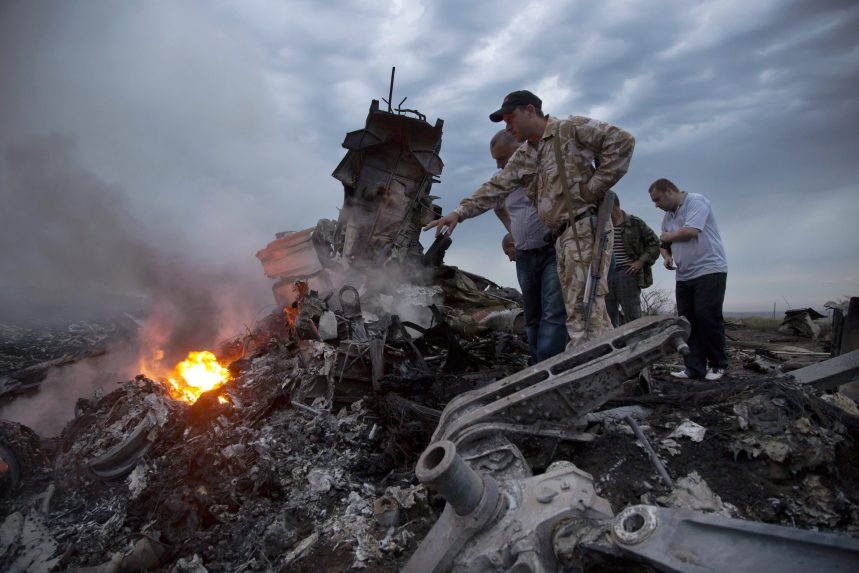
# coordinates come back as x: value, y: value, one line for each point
x: 200, y: 129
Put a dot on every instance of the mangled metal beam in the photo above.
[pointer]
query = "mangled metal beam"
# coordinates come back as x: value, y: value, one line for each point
x: 830, y: 374
x: 681, y: 541
x: 500, y: 517
x: 565, y: 387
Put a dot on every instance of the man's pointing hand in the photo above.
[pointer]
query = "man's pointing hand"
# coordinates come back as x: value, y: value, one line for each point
x: 449, y: 221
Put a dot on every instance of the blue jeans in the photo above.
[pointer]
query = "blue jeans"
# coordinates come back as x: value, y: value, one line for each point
x: 545, y: 314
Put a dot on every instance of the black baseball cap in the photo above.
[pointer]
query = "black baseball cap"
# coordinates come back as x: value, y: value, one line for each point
x: 514, y: 100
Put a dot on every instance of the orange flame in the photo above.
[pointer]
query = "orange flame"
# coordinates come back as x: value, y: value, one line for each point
x: 198, y: 373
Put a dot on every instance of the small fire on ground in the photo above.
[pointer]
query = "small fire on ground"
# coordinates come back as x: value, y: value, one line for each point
x: 198, y: 373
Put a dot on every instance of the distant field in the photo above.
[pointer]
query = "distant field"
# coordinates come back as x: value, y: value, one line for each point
x: 779, y: 314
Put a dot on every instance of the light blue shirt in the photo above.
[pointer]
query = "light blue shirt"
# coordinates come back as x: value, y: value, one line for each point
x: 704, y: 254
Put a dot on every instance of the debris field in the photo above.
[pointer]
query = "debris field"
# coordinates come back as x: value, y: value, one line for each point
x: 304, y: 459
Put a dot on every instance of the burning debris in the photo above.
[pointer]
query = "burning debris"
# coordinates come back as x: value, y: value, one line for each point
x: 200, y: 372
x: 294, y: 447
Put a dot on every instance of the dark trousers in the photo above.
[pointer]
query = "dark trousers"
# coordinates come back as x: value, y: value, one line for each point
x: 545, y: 313
x: 623, y: 292
x: 700, y: 302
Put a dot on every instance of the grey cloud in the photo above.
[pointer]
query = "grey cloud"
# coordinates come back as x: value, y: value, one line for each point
x: 221, y: 123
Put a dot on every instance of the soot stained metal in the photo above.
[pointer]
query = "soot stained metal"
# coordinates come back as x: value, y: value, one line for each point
x: 387, y: 174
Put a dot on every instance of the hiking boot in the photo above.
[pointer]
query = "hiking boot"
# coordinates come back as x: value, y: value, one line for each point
x: 714, y: 374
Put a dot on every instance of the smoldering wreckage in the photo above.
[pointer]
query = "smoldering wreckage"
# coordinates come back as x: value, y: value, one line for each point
x: 387, y: 419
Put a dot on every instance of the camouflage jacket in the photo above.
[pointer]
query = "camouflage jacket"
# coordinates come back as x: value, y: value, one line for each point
x: 641, y: 243
x: 534, y: 168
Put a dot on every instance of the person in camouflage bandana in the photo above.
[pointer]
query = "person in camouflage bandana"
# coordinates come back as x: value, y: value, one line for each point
x: 593, y: 156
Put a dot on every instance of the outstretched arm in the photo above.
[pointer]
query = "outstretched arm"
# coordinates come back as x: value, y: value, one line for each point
x: 444, y: 224
x: 487, y: 196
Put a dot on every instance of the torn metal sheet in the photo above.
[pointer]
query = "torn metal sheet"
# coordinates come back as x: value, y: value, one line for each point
x: 502, y: 518
x: 845, y: 325
x: 831, y: 373
x: 387, y: 175
x: 801, y: 322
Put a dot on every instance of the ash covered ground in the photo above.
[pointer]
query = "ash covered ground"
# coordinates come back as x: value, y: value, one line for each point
x: 289, y: 474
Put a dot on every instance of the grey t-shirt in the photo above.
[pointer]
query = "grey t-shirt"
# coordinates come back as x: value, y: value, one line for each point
x: 703, y: 255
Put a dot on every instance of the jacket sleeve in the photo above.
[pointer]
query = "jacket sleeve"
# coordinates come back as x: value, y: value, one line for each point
x: 650, y: 242
x: 614, y: 146
x: 493, y: 192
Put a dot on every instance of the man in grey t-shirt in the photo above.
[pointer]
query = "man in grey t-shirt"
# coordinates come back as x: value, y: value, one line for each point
x: 692, y: 246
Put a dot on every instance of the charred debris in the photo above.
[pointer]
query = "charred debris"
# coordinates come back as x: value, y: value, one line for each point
x: 387, y: 419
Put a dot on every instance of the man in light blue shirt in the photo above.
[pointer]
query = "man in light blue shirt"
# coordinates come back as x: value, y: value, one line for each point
x: 536, y: 266
x: 692, y: 246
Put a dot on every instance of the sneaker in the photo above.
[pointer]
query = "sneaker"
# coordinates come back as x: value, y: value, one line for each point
x: 681, y: 375
x: 714, y: 374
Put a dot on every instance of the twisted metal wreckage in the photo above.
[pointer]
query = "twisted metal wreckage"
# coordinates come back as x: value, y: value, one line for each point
x: 499, y: 515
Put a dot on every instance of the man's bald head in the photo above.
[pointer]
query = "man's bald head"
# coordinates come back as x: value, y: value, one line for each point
x: 501, y: 147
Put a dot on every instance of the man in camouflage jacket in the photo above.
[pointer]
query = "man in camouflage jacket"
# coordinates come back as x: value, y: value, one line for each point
x: 595, y: 155
x: 635, y: 249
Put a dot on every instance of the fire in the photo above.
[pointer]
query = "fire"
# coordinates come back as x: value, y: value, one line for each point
x: 198, y: 373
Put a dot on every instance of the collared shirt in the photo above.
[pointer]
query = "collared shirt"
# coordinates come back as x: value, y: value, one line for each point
x: 701, y: 255
x: 533, y: 167
x: 525, y: 225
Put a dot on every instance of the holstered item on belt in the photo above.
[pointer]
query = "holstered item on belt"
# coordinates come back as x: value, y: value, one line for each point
x: 552, y: 236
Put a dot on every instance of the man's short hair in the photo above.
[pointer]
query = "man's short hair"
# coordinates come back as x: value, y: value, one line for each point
x: 503, y: 137
x: 663, y: 185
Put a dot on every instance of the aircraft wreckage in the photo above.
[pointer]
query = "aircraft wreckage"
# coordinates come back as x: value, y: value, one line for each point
x: 302, y: 459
